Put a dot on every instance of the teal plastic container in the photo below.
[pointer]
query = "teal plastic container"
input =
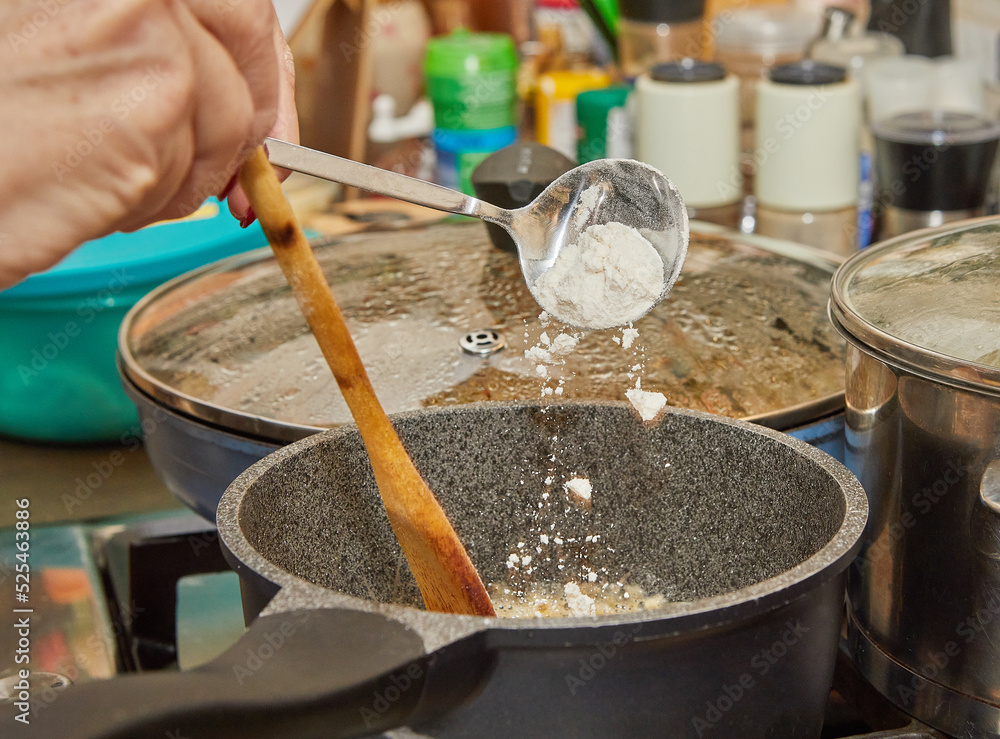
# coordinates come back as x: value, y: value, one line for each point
x: 59, y: 328
x: 602, y: 123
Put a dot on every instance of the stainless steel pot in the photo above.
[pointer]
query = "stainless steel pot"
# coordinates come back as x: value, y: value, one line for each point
x: 747, y: 532
x: 921, y: 314
x: 224, y: 370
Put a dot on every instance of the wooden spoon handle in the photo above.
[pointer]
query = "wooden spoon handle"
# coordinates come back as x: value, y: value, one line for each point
x: 447, y: 579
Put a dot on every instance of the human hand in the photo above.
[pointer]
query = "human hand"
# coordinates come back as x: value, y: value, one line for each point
x: 120, y: 113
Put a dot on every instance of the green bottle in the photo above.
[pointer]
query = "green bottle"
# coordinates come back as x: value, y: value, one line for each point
x: 603, y: 125
x: 471, y: 80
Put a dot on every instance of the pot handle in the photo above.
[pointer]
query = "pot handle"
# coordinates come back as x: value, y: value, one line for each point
x: 300, y: 673
x: 985, y: 523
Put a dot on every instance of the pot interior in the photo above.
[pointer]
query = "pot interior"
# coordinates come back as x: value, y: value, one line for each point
x: 689, y: 508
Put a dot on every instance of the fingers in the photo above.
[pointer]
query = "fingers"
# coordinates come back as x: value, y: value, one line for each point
x: 246, y: 29
x: 123, y: 112
x: 222, y: 123
x: 245, y: 92
x: 286, y: 125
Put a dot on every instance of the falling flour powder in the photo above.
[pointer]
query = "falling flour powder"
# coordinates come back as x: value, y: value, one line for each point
x: 629, y: 336
x: 609, y: 276
x: 548, y: 351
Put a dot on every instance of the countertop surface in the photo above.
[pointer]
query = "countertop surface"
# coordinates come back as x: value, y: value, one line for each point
x: 78, y: 482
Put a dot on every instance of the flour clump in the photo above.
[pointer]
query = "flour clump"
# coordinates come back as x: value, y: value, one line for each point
x: 609, y: 276
x: 579, y: 490
x: 648, y: 404
x: 579, y: 604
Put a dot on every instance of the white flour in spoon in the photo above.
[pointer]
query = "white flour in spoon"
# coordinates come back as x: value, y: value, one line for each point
x: 609, y: 276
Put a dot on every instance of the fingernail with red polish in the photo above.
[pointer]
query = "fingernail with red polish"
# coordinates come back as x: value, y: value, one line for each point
x: 248, y: 219
x: 229, y: 187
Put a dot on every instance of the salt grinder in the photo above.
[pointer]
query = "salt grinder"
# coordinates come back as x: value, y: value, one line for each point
x: 688, y: 127
x: 806, y: 156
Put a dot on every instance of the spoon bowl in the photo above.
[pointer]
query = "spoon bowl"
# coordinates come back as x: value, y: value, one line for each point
x: 596, y: 193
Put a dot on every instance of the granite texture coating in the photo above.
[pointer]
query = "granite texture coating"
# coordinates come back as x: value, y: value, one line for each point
x: 724, y: 517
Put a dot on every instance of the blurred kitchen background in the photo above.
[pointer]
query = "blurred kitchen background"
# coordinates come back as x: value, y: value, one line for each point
x: 828, y: 125
x: 796, y: 132
x: 827, y: 158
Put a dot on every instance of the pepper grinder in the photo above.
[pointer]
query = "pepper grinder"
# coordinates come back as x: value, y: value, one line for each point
x: 513, y: 177
x: 688, y: 127
x: 933, y: 167
x: 806, y: 156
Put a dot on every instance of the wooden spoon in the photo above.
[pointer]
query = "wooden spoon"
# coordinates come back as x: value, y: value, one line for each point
x: 447, y: 579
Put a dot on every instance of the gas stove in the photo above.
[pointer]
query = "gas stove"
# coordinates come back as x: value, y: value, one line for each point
x: 154, y: 593
x: 151, y: 591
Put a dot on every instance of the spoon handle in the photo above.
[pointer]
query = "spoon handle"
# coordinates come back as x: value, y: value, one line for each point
x: 381, y: 181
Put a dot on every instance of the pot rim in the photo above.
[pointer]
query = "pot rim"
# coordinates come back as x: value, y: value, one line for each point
x: 753, y: 600
x: 918, y: 360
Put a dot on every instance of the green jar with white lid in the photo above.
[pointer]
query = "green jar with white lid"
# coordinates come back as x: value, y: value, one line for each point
x: 471, y: 80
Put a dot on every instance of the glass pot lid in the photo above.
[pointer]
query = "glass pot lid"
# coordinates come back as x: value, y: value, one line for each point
x: 440, y: 316
x: 929, y: 301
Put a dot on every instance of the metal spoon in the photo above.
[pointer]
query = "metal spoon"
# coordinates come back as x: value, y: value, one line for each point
x: 617, y: 190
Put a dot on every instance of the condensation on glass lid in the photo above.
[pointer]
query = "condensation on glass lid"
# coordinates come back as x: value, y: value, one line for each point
x: 743, y: 332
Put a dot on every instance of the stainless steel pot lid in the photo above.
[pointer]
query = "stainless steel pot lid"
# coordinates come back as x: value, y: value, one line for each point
x: 441, y: 317
x: 929, y: 301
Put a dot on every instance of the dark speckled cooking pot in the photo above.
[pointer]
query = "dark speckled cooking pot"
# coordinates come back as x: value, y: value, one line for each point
x: 747, y: 530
